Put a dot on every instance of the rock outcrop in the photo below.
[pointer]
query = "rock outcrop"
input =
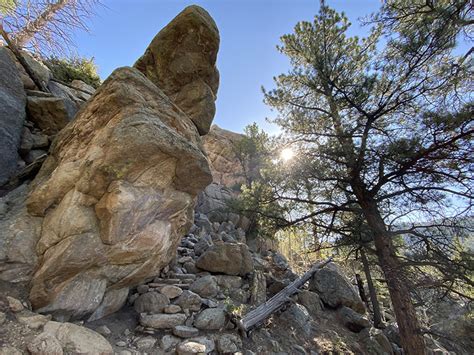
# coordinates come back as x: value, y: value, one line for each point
x: 117, y: 191
x: 31, y: 118
x: 181, y: 61
x: 214, y: 203
x: 220, y: 146
x: 12, y: 115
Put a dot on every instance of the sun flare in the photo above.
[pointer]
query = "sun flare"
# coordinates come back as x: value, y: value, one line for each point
x: 287, y: 154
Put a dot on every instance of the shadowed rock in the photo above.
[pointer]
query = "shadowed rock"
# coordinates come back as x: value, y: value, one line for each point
x: 12, y: 115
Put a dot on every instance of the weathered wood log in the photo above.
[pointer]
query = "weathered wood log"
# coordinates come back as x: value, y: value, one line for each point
x: 259, y: 314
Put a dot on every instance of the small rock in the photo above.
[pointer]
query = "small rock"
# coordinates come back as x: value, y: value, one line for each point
x: 40, y: 140
x: 33, y: 320
x: 190, y: 348
x: 45, y: 344
x: 26, y: 143
x: 133, y: 298
x: 311, y: 301
x: 151, y: 302
x: 3, y: 318
x: 14, y: 304
x: 121, y: 344
x: 162, y: 321
x: 208, y: 342
x: 185, y: 259
x: 104, y: 330
x: 297, y: 316
x: 183, y: 331
x: 229, y: 282
x: 189, y: 321
x: 168, y: 342
x: 229, y: 343
x: 187, y: 277
x: 210, y: 303
x: 210, y: 319
x: 189, y: 300
x: 172, y: 308
x: 205, y: 286
x: 48, y: 113
x: 145, y: 343
x: 142, y: 289
x: 10, y: 350
x: 171, y: 291
x: 353, y: 320
x: 190, y: 267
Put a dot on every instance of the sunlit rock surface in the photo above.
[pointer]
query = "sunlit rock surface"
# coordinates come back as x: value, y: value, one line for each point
x: 117, y: 192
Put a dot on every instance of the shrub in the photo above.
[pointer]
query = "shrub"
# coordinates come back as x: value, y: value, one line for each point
x: 69, y: 69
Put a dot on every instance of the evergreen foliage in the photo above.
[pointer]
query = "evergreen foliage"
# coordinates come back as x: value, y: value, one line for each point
x: 69, y: 69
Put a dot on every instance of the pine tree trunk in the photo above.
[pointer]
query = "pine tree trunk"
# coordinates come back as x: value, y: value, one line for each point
x: 360, y: 286
x: 372, y: 292
x: 411, y: 338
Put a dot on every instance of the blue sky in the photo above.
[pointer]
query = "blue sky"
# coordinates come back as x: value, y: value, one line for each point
x: 248, y: 59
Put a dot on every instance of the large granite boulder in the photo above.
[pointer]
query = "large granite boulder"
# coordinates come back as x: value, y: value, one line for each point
x: 117, y: 192
x: 220, y: 146
x: 335, y: 289
x: 12, y: 115
x: 181, y: 61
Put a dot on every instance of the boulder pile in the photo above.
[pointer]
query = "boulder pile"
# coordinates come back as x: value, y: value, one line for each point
x: 193, y: 305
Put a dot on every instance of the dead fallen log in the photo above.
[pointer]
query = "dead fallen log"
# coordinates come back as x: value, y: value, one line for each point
x: 256, y: 316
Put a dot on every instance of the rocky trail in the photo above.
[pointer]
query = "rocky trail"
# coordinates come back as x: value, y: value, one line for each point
x: 192, y: 306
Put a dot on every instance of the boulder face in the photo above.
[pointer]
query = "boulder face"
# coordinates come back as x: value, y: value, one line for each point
x: 229, y: 258
x: 181, y: 61
x: 12, y: 115
x: 220, y: 147
x: 334, y: 288
x: 117, y: 192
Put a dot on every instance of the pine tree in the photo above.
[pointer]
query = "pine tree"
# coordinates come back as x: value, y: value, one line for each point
x: 383, y: 129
